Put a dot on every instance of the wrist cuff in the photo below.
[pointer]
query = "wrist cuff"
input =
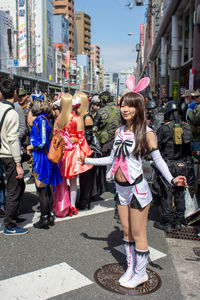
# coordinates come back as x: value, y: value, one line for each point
x: 172, y: 181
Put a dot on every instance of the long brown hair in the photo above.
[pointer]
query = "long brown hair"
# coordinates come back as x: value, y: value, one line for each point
x: 136, y: 100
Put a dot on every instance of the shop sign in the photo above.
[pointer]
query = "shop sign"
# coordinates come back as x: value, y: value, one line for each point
x: 191, y: 79
x: 175, y: 90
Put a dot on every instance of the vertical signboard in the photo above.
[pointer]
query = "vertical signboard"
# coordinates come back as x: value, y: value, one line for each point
x: 142, y: 34
x: 175, y: 90
x: 22, y: 33
x: 67, y: 65
x: 191, y: 79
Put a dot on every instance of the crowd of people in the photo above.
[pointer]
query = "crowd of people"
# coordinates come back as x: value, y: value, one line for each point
x: 29, y: 122
x: 96, y: 133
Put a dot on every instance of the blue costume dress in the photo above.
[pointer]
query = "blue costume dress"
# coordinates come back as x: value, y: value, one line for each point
x: 47, y: 171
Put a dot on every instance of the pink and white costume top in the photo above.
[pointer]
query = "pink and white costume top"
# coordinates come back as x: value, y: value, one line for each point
x: 122, y: 156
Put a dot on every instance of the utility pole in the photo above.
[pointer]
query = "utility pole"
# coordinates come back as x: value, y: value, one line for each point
x: 117, y: 90
x: 10, y: 49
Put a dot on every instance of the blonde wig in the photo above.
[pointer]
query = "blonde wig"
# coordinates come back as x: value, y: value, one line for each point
x: 66, y: 108
x: 83, y: 108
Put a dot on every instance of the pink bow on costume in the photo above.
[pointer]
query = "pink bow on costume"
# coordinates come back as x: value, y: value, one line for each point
x: 142, y: 84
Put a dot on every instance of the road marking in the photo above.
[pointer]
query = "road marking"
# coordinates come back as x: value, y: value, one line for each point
x: 43, y: 284
x: 154, y: 253
x: 98, y: 208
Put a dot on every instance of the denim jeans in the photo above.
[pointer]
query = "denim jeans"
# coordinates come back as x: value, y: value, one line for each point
x: 2, y: 188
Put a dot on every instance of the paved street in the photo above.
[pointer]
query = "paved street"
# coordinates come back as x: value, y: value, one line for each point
x: 59, y: 263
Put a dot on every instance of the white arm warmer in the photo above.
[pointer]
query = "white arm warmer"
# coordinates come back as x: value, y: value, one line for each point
x: 162, y: 166
x: 101, y: 161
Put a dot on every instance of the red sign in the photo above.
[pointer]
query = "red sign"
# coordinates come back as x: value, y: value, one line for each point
x: 31, y: 65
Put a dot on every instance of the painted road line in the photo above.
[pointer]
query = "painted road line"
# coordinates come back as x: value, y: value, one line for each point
x: 43, y: 284
x: 154, y: 253
x: 98, y: 208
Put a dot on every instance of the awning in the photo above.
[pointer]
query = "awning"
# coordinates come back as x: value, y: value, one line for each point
x: 55, y: 87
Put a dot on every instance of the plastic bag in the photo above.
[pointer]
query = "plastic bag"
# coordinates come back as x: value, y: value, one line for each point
x: 190, y: 203
x: 61, y: 200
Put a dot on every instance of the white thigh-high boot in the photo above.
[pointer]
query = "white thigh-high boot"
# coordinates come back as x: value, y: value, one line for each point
x: 140, y: 275
x: 130, y: 258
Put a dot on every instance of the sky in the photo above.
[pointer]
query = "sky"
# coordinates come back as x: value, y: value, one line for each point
x: 111, y: 21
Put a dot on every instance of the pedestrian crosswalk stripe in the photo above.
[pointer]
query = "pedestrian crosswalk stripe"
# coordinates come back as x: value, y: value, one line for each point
x: 154, y: 253
x: 99, y: 207
x: 43, y: 284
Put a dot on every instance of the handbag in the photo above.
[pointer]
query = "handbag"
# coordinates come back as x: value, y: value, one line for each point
x: 191, y: 204
x: 57, y: 148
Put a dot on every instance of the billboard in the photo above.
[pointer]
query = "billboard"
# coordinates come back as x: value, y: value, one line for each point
x: 61, y: 32
x: 22, y: 33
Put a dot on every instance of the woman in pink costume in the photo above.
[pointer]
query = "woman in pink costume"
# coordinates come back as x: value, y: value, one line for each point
x: 71, y: 129
x: 133, y: 139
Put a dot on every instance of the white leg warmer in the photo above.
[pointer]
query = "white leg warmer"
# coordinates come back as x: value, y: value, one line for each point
x: 140, y: 276
x: 73, y: 191
x: 131, y: 261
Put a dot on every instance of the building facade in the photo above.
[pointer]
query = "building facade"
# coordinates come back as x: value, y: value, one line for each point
x: 66, y: 8
x: 83, y: 33
x: 173, y: 59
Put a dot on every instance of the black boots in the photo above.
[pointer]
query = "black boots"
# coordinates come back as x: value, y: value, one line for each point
x: 43, y: 223
x: 51, y: 218
x: 163, y: 226
x: 47, y: 216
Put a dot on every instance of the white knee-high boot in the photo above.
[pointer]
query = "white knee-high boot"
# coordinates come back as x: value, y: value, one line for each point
x: 131, y: 260
x: 140, y: 275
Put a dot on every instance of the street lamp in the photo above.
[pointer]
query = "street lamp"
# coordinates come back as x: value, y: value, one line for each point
x: 131, y: 4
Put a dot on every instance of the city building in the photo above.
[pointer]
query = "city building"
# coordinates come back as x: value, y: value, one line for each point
x: 61, y: 46
x: 83, y: 72
x: 44, y: 39
x: 6, y: 42
x: 95, y: 67
x: 66, y: 8
x: 82, y: 33
x: 173, y: 59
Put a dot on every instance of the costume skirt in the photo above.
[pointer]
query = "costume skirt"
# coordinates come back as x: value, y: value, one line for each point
x: 47, y: 171
x: 69, y: 165
x: 136, y: 195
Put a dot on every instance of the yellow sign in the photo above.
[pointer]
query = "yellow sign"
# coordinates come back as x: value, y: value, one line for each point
x: 175, y: 90
x: 50, y: 77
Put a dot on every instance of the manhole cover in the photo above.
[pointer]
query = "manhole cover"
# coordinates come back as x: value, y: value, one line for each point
x: 107, y: 277
x: 186, y: 233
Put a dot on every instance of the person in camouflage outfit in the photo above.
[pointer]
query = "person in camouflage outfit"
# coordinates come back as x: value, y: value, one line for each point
x: 109, y: 121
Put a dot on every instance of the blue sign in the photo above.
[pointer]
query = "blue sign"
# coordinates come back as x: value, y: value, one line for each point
x: 15, y: 63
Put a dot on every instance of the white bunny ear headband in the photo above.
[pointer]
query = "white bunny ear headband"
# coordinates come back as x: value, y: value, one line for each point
x: 76, y: 102
x: 142, y: 84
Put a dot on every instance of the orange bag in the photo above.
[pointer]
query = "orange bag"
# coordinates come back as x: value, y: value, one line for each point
x: 57, y: 148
